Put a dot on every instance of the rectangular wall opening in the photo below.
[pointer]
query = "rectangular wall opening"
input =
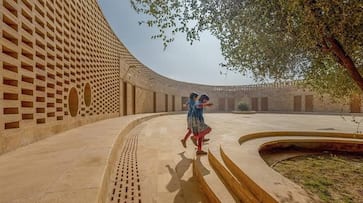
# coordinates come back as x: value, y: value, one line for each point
x: 221, y: 104
x: 264, y: 104
x: 173, y: 103
x: 184, y: 101
x: 124, y: 97
x: 154, y: 102
x: 254, y: 104
x: 309, y: 105
x: 166, y: 103
x: 297, y: 103
x: 133, y: 99
x: 231, y: 104
x: 355, y: 104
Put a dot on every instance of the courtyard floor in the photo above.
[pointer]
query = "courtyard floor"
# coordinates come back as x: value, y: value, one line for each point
x: 163, y: 168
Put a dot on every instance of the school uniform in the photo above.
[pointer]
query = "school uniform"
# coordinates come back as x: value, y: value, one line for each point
x: 198, y: 126
x: 197, y: 120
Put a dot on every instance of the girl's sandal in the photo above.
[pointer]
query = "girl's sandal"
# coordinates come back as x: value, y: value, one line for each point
x: 183, y: 143
x: 202, y: 153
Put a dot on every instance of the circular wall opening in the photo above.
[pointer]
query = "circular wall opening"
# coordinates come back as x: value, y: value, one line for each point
x: 87, y: 94
x: 73, y: 102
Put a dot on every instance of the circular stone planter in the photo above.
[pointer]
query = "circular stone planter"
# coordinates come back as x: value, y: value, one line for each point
x: 244, y: 112
x: 321, y: 167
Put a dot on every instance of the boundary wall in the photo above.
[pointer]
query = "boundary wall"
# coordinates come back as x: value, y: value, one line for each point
x: 62, y: 66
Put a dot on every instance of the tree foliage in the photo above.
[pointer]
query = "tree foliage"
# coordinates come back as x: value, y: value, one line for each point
x: 243, y: 106
x: 317, y: 41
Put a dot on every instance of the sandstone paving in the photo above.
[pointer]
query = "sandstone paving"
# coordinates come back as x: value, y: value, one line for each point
x: 160, y: 148
x: 68, y: 167
x: 165, y: 166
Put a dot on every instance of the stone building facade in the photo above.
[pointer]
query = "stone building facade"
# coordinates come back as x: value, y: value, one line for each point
x: 62, y: 66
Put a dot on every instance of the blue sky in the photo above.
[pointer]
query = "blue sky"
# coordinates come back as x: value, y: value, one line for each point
x: 198, y: 63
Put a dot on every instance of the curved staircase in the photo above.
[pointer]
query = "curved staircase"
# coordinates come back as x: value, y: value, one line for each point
x: 224, y: 182
x: 239, y: 174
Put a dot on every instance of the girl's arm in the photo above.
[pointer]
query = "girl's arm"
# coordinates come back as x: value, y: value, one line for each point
x: 186, y: 104
x: 204, y: 105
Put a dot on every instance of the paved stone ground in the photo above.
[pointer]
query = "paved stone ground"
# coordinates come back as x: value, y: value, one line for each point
x: 51, y: 170
x: 166, y: 167
x: 65, y: 168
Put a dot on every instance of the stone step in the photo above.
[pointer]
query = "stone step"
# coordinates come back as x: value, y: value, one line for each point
x: 210, y: 184
x: 255, y: 189
x: 239, y: 190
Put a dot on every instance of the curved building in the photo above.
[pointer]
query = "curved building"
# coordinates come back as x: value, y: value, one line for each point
x: 62, y: 66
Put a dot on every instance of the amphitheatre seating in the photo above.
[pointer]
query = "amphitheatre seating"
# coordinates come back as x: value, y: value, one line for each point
x: 250, y: 179
x: 76, y: 164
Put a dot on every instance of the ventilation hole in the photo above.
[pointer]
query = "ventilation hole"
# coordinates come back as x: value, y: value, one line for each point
x: 125, y: 173
x: 41, y: 120
x: 12, y: 125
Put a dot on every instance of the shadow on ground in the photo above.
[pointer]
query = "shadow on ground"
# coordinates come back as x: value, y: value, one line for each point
x: 188, y: 190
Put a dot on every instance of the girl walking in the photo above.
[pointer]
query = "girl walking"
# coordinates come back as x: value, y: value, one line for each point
x: 190, y: 104
x: 199, y: 128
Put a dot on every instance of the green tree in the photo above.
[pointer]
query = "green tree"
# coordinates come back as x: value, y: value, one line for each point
x: 243, y: 106
x: 319, y: 42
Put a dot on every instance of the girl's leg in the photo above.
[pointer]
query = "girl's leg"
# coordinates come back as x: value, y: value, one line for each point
x: 200, y: 143
x: 200, y: 140
x: 183, y: 141
x: 188, y: 134
x: 194, y: 138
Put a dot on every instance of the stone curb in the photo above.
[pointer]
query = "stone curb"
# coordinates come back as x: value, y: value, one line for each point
x: 260, y: 193
x: 251, y: 136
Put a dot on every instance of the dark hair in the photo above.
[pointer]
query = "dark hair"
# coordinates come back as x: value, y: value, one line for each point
x: 202, y: 97
x: 193, y: 95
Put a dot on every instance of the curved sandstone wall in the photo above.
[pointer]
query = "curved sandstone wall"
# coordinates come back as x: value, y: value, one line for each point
x: 61, y: 66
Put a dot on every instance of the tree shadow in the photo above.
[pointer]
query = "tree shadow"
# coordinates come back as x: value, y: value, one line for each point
x: 187, y: 189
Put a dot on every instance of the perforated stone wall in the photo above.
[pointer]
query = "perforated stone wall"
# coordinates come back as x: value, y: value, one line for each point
x: 49, y: 51
x: 61, y: 66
